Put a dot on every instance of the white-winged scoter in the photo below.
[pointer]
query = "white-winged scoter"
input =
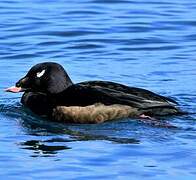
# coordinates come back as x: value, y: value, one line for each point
x: 49, y: 91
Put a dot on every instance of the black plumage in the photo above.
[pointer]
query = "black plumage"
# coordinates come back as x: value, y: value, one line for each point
x: 47, y: 85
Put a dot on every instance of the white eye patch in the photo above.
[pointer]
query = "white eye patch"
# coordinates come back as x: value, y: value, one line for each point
x: 40, y: 74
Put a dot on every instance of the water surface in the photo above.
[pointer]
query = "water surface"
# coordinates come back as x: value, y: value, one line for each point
x: 148, y: 44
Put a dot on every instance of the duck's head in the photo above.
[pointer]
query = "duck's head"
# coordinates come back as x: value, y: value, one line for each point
x: 47, y: 77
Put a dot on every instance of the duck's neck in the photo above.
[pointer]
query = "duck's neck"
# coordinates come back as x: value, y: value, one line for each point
x: 68, y: 81
x: 59, y: 84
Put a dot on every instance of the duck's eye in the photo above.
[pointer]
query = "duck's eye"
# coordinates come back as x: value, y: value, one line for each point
x: 41, y: 73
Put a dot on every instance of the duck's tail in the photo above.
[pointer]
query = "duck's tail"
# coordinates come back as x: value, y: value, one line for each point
x: 163, y: 110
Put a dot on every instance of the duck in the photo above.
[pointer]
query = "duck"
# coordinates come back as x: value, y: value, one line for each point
x: 48, y: 91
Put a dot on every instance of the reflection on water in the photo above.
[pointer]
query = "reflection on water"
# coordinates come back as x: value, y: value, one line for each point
x: 140, y: 43
x: 40, y: 149
x: 43, y: 148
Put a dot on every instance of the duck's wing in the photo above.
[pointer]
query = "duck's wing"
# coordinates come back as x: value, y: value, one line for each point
x: 142, y: 99
x: 84, y: 95
x: 123, y: 89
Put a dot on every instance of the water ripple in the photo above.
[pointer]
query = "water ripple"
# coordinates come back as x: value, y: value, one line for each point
x: 140, y: 43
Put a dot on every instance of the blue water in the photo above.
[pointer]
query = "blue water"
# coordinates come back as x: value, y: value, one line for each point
x: 149, y: 44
